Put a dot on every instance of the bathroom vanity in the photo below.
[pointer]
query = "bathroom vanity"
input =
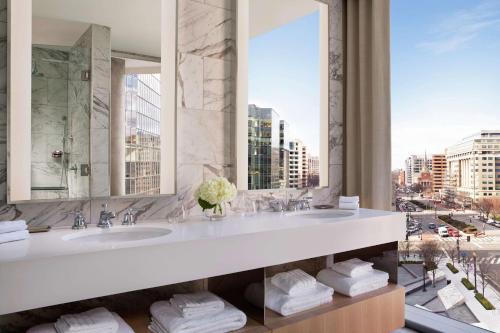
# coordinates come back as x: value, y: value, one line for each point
x: 76, y: 142
x: 67, y: 265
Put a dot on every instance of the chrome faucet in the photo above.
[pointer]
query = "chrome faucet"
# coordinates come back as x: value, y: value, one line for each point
x: 129, y: 217
x: 79, y: 222
x: 105, y: 217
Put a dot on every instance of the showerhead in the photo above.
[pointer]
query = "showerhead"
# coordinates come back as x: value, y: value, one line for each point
x: 57, y: 154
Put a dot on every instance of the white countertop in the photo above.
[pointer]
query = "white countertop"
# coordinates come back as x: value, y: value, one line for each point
x: 48, y: 269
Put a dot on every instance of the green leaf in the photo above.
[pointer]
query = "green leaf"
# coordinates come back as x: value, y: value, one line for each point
x: 205, y: 204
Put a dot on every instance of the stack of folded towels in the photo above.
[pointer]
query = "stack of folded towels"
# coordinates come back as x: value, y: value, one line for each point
x: 351, y: 203
x: 201, y: 312
x: 98, y: 320
x: 353, y: 277
x: 11, y: 231
x: 289, y: 292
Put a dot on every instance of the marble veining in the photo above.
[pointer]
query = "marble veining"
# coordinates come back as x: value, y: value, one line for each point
x: 206, y: 46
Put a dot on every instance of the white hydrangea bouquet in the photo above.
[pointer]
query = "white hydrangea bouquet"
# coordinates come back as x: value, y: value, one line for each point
x: 212, y: 195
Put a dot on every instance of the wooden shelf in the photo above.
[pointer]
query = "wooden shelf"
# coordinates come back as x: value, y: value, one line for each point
x: 139, y: 323
x: 388, y: 300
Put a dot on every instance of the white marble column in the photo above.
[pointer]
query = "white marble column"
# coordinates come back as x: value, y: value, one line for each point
x: 117, y: 126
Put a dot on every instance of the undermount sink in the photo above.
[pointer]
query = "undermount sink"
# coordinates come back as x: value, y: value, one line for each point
x: 326, y: 214
x: 117, y: 234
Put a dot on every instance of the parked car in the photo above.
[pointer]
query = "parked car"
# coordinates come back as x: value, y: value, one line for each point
x: 443, y: 232
x: 497, y: 224
x: 431, y: 226
x: 455, y: 233
x: 436, y: 230
x: 442, y: 225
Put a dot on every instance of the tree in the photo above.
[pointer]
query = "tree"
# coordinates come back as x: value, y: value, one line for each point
x: 485, y: 206
x: 452, y: 250
x: 466, y: 267
x: 496, y: 207
x: 405, y: 247
x: 431, y: 254
x: 484, y: 272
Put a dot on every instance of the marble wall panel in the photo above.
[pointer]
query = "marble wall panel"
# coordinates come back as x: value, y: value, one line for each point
x: 205, y: 135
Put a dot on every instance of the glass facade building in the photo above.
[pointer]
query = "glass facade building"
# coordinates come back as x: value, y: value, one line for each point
x: 263, y: 148
x: 142, y: 134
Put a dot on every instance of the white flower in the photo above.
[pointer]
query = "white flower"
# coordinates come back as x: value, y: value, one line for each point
x: 216, y: 191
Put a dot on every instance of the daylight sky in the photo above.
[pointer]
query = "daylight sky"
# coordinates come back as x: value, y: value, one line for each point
x: 445, y: 73
x: 284, y: 75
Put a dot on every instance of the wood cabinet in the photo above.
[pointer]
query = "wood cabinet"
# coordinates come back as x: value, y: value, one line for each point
x: 381, y: 311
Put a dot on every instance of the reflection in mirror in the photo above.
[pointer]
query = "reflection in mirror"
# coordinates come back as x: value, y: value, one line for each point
x: 136, y: 139
x: 102, y: 109
x: 285, y: 61
x: 60, y: 104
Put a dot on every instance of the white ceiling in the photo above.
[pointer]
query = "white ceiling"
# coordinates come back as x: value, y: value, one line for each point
x: 135, y: 24
x: 266, y: 15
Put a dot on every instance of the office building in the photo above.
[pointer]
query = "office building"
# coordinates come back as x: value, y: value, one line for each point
x: 473, y: 166
x: 263, y: 148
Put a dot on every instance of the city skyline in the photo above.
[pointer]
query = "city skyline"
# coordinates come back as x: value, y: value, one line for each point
x: 440, y: 90
x: 274, y: 79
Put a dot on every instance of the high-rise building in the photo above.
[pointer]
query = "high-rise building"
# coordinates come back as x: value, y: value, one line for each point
x: 263, y: 148
x: 313, y: 172
x: 284, y: 177
x: 414, y: 166
x: 295, y: 173
x: 438, y: 173
x: 473, y: 166
x: 304, y: 159
x: 142, y: 134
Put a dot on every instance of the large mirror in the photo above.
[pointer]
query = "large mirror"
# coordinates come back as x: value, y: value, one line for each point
x: 282, y: 116
x: 100, y: 119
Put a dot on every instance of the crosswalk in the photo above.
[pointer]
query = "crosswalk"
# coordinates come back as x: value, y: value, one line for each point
x: 480, y: 240
x: 494, y: 260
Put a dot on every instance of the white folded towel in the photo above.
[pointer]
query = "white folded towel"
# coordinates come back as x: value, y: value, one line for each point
x: 350, y: 286
x: 284, y: 304
x: 353, y: 267
x: 43, y: 328
x: 197, y: 304
x: 14, y: 236
x: 166, y: 319
x: 95, y: 320
x: 123, y: 327
x: 353, y: 199
x: 10, y: 226
x: 349, y: 205
x: 294, y: 282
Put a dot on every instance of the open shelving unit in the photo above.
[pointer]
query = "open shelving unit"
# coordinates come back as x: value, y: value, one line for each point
x: 381, y: 310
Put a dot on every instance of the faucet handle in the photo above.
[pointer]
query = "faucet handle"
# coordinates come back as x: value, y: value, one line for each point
x: 129, y: 216
x: 79, y: 222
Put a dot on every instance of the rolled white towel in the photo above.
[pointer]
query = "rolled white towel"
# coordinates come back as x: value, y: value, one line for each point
x: 197, y: 304
x: 349, y: 205
x: 10, y: 226
x: 166, y: 319
x: 353, y: 267
x: 284, y: 304
x: 123, y: 327
x: 14, y: 236
x: 95, y: 320
x: 294, y: 282
x: 350, y: 286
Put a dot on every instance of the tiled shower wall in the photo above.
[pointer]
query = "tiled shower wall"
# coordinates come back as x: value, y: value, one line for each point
x: 205, y: 116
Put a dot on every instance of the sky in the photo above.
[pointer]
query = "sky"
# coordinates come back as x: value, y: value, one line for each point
x: 445, y: 68
x: 284, y: 75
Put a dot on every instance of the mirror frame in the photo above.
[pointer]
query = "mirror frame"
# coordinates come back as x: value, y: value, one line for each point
x: 242, y: 46
x: 19, y: 46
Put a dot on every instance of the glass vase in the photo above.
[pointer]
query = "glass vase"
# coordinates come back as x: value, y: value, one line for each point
x: 216, y: 213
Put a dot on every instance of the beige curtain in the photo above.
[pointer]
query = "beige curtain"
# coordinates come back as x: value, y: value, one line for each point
x: 368, y: 108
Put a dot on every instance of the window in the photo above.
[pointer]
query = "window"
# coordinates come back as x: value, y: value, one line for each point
x: 435, y: 112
